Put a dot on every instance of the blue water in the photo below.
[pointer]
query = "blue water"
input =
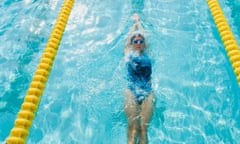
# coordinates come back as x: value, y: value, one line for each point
x: 197, y: 95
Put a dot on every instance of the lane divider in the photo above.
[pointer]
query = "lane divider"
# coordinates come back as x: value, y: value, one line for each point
x: 23, y: 122
x: 227, y: 36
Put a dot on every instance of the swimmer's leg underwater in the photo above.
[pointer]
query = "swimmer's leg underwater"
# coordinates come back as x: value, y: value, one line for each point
x: 138, y: 117
x: 132, y: 112
x: 145, y: 117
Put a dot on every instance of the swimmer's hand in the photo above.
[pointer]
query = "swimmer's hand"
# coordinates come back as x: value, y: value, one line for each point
x: 136, y: 17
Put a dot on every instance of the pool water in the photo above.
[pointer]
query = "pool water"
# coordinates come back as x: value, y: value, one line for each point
x: 196, y: 92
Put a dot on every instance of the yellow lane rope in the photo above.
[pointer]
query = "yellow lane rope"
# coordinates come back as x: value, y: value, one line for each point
x: 23, y: 122
x: 227, y: 37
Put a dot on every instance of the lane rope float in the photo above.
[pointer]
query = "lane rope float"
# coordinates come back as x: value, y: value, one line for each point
x: 23, y: 122
x: 227, y: 36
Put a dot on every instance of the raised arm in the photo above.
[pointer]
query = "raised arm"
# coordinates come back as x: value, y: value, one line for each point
x: 128, y: 43
x: 136, y: 26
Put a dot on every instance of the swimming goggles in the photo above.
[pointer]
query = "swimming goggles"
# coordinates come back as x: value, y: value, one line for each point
x: 138, y: 41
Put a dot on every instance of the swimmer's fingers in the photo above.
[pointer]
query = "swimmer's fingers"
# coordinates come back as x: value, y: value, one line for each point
x: 136, y: 17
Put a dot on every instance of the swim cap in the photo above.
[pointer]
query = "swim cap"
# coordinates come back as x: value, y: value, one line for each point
x: 135, y: 34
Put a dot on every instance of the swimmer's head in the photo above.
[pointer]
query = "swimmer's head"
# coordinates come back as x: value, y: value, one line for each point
x: 137, y: 41
x: 136, y: 34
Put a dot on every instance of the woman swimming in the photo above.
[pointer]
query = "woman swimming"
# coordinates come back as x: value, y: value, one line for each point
x: 138, y: 96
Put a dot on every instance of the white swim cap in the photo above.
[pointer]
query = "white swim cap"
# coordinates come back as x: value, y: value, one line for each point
x: 135, y: 34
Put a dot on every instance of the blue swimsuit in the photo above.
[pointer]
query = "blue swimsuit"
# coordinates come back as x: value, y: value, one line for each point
x: 139, y: 69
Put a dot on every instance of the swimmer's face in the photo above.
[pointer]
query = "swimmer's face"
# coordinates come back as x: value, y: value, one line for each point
x: 138, y: 43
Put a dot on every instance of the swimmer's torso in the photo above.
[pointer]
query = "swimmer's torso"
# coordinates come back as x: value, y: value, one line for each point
x: 139, y: 69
